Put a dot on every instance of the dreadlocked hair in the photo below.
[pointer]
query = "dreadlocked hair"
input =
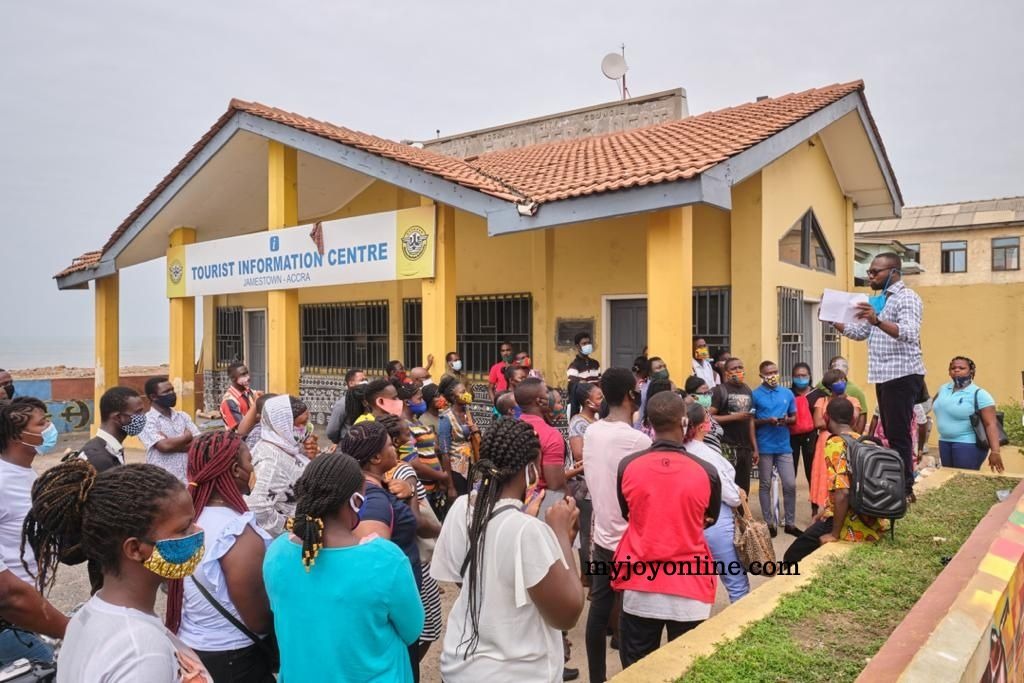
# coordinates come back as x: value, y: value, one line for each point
x: 354, y: 403
x: 392, y: 424
x: 506, y: 450
x: 210, y: 459
x: 364, y: 441
x: 326, y: 484
x: 78, y: 514
x: 15, y: 416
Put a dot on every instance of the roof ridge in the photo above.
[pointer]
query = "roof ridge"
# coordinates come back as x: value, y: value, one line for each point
x: 961, y: 203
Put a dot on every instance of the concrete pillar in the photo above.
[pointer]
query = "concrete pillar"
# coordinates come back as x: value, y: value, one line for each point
x: 542, y: 247
x: 283, y: 323
x: 439, y: 292
x: 670, y: 288
x: 183, y: 337
x: 108, y: 366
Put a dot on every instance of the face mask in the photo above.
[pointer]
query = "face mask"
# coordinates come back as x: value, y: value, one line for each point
x: 400, y: 376
x: 524, y: 363
x: 441, y: 403
x: 771, y: 380
x: 49, y: 437
x: 167, y: 400
x: 507, y: 357
x: 517, y: 412
x: 176, y: 558
x: 300, y: 434
x: 842, y: 366
x: 9, y: 390
x: 457, y: 365
x: 135, y: 425
x: 702, y: 353
x: 391, y: 406
x: 703, y: 400
x: 801, y: 382
x: 466, y: 398
x: 417, y: 408
x: 356, y: 502
x: 536, y: 476
x: 737, y: 376
x: 838, y: 387
x: 660, y: 374
x: 962, y: 382
x: 243, y: 381
x: 587, y: 349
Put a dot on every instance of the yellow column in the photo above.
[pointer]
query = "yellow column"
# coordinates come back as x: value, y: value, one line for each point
x: 856, y: 353
x: 282, y: 306
x: 670, y: 288
x: 183, y: 337
x: 754, y: 324
x: 542, y: 246
x: 439, y: 293
x: 107, y: 341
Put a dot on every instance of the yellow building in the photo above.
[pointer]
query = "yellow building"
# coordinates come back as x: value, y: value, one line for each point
x: 970, y: 280
x: 728, y: 224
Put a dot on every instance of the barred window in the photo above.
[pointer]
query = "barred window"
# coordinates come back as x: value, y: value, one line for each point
x: 228, y: 338
x: 483, y: 323
x: 791, y: 331
x: 712, y: 316
x: 412, y: 331
x: 344, y: 335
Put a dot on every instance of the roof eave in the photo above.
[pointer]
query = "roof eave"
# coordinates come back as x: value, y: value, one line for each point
x: 80, y: 279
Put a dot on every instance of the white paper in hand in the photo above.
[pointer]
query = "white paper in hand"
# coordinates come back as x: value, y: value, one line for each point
x: 840, y: 307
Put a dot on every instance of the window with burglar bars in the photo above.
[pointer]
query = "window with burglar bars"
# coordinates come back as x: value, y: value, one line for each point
x: 412, y: 332
x: 483, y: 323
x: 712, y: 315
x: 228, y: 337
x: 344, y: 335
x: 791, y: 331
x: 830, y: 338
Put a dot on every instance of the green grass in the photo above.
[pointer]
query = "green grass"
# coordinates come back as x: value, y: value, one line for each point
x: 828, y: 630
x: 1012, y: 424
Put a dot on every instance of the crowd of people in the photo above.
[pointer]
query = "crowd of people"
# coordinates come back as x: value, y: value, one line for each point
x: 280, y: 556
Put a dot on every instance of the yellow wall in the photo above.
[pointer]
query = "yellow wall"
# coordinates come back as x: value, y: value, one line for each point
x: 712, y: 247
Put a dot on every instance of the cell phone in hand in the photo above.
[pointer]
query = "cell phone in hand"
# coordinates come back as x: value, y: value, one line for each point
x: 550, y: 499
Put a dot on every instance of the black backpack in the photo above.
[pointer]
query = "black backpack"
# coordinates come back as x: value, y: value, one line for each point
x: 878, y: 480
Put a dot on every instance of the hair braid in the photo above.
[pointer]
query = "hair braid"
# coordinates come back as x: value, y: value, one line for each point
x: 506, y: 450
x: 15, y: 415
x: 364, y: 441
x: 326, y: 484
x: 77, y: 514
x: 210, y: 458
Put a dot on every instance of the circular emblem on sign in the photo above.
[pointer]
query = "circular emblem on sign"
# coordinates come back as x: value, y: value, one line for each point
x: 414, y: 242
x: 176, y: 271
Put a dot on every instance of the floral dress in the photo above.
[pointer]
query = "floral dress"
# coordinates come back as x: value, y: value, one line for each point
x: 819, y: 476
x: 855, y: 527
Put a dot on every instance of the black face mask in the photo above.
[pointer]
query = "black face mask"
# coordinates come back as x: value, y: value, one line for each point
x: 9, y: 390
x: 167, y: 400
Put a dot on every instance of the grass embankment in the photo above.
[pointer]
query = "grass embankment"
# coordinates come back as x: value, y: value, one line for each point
x: 830, y: 629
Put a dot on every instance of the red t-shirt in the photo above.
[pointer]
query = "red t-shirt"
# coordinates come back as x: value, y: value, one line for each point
x: 552, y: 445
x: 497, y: 376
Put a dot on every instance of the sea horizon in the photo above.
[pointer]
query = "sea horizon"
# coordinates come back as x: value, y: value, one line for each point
x: 76, y: 351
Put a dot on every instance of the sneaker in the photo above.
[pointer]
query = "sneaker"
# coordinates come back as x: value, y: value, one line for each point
x: 772, y: 531
x: 794, y: 531
x: 570, y: 674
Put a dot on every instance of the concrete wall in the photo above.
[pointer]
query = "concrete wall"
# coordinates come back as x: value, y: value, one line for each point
x: 979, y: 256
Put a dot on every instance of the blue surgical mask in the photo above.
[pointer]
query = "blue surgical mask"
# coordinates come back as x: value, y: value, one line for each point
x: 457, y: 365
x: 587, y: 349
x: 417, y: 408
x: 49, y: 437
x: 517, y: 412
x: 135, y: 425
x: 878, y: 301
x: 801, y: 382
x: 838, y: 387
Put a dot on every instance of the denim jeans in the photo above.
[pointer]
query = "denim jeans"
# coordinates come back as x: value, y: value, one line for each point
x: 15, y: 644
x: 720, y: 542
x: 783, y: 462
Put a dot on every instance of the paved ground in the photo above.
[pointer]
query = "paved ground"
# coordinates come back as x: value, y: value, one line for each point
x: 73, y: 585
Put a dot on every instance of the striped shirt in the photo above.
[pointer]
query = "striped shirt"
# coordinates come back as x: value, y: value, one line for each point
x: 584, y: 369
x: 890, y: 358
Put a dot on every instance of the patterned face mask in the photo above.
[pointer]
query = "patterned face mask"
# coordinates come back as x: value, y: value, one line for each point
x: 176, y: 558
x: 135, y: 425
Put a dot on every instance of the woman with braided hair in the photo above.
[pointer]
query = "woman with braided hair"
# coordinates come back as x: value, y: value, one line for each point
x: 518, y: 574
x: 345, y: 608
x: 955, y: 404
x: 219, y: 469
x: 136, y: 522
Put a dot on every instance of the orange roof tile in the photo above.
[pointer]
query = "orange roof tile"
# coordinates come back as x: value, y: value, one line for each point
x: 89, y: 259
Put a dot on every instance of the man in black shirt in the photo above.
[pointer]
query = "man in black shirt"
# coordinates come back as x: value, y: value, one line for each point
x: 123, y: 414
x: 732, y: 406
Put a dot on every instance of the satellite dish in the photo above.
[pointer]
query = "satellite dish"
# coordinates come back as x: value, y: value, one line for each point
x: 613, y: 66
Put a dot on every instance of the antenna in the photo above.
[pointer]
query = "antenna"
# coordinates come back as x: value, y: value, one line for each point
x: 614, y: 67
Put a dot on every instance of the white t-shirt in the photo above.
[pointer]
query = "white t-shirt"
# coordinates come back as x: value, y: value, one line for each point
x: 515, y: 642
x: 107, y: 643
x: 605, y: 444
x: 15, y: 502
x: 202, y: 626
x: 706, y: 371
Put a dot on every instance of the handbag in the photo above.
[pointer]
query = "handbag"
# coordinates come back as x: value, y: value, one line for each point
x: 267, y: 644
x: 980, y: 435
x: 751, y: 538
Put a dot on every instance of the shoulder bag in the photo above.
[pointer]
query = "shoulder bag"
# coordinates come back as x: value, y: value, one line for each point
x: 980, y: 435
x: 267, y: 644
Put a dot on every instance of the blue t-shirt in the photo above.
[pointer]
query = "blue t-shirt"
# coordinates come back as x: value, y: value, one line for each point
x: 385, y: 507
x: 351, y: 617
x: 953, y: 410
x: 777, y: 402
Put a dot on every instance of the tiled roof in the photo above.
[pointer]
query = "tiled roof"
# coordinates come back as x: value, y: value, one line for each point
x: 89, y: 259
x: 964, y: 215
x: 665, y: 152
x: 675, y: 150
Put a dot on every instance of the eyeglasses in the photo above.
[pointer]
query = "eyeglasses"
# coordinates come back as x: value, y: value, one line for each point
x: 873, y: 272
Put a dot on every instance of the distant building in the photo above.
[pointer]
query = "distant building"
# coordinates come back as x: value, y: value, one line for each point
x: 964, y: 260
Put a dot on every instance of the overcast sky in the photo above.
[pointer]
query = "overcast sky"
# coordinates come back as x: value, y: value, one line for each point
x: 99, y: 100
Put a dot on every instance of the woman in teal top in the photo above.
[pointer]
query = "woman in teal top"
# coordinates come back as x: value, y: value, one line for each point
x: 343, y: 611
x: 954, y: 405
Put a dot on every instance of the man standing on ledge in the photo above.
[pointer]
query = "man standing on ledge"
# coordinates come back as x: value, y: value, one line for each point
x: 892, y: 327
